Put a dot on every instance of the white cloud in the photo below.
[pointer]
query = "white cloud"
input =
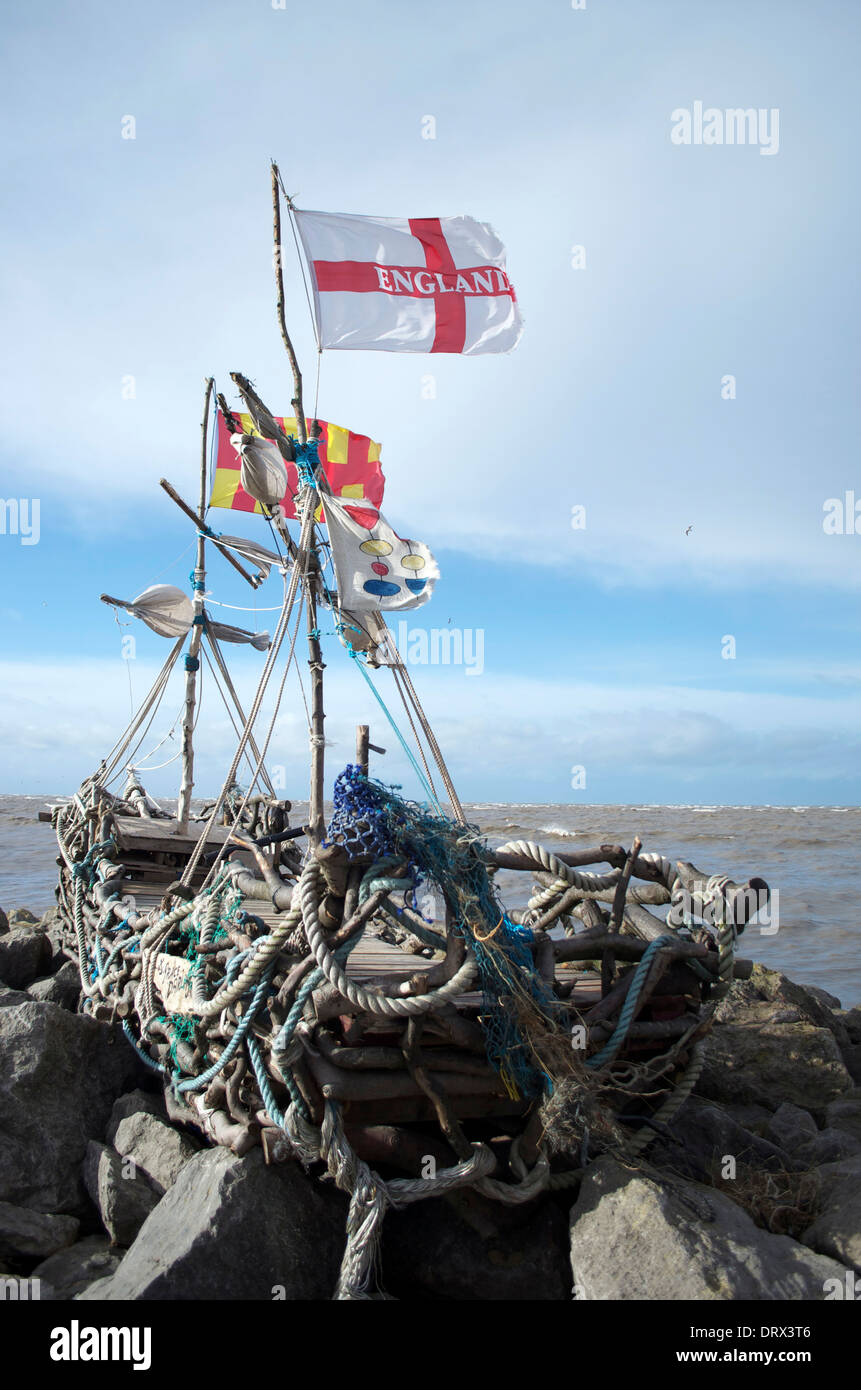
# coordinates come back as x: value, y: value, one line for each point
x: 508, y: 737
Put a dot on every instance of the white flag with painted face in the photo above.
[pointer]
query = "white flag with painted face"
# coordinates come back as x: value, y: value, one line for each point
x: 418, y: 284
x: 375, y: 568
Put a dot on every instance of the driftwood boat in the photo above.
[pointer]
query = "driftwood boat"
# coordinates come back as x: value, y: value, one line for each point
x: 292, y: 985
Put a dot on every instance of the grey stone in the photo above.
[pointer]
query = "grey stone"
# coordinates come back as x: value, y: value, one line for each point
x: 466, y: 1248
x: 845, y: 1114
x: 830, y: 1001
x: 790, y: 1126
x: 232, y: 1228
x: 766, y: 1061
x: 790, y: 1003
x: 796, y: 1132
x: 159, y: 1151
x: 64, y: 988
x: 59, y: 1076
x: 10, y: 998
x: 635, y: 1238
x: 4, y: 922
x: 24, y: 954
x: 134, y: 1103
x: 836, y: 1230
x: 30, y: 1235
x: 53, y: 926
x: 703, y: 1135
x: 852, y: 1023
x: 831, y: 1146
x: 852, y: 1059
x: 22, y: 917
x: 752, y: 1117
x: 124, y: 1200
x: 74, y: 1269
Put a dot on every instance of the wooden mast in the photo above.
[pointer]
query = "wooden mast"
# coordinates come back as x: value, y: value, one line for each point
x: 310, y: 567
x: 192, y: 659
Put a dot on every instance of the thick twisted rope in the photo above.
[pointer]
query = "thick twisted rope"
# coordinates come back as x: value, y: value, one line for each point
x: 370, y: 1197
x: 615, y: 1042
x: 265, y: 951
x: 370, y: 1000
x: 675, y: 1100
x: 543, y: 859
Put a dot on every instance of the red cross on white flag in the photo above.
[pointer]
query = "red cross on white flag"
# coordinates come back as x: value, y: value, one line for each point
x: 423, y: 284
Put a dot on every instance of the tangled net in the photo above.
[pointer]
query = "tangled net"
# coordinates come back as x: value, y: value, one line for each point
x: 519, y: 1010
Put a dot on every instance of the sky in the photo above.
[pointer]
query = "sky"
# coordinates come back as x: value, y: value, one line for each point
x: 686, y: 382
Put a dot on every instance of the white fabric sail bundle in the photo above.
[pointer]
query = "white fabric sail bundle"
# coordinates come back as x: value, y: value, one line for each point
x: 164, y: 608
x: 262, y: 471
x: 259, y: 556
x: 169, y: 612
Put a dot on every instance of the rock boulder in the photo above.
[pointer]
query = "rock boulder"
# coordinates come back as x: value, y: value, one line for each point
x: 639, y: 1237
x: 25, y: 953
x: 59, y: 1076
x: 232, y: 1228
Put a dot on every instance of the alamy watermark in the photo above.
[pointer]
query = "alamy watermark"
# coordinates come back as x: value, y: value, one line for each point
x: 710, y: 125
x: 442, y: 646
x: 842, y: 515
x: 15, y: 1290
x: 21, y: 517
x: 77, y: 1343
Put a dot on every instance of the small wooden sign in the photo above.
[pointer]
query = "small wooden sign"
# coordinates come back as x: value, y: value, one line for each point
x: 172, y: 978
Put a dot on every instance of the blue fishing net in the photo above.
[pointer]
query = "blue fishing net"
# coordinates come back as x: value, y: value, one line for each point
x: 371, y: 819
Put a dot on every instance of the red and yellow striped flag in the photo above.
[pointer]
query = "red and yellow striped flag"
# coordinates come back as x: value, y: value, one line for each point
x: 350, y: 461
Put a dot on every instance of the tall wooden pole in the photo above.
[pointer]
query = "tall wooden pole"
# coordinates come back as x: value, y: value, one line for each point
x: 316, y: 665
x: 192, y: 659
x: 310, y: 567
x: 282, y: 322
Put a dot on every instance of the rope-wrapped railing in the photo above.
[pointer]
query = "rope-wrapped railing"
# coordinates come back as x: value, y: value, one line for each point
x: 281, y: 1041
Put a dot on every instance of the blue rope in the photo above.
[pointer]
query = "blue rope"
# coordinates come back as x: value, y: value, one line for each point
x: 156, y: 1066
x: 83, y: 868
x: 383, y: 706
x: 270, y: 1105
x: 197, y: 1083
x: 614, y: 1043
x: 291, y: 1022
x: 307, y: 459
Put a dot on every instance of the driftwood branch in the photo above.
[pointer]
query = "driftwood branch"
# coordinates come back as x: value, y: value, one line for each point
x: 282, y: 323
x: 192, y: 516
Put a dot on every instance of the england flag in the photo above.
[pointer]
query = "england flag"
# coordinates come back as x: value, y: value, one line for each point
x: 419, y: 284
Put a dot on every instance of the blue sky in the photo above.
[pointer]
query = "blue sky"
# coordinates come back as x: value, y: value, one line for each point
x: 151, y: 258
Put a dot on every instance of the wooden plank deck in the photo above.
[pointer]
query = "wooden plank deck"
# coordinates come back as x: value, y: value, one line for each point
x: 155, y: 835
x: 162, y: 836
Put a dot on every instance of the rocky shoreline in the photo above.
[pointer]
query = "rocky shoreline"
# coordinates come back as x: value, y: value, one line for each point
x: 106, y: 1193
